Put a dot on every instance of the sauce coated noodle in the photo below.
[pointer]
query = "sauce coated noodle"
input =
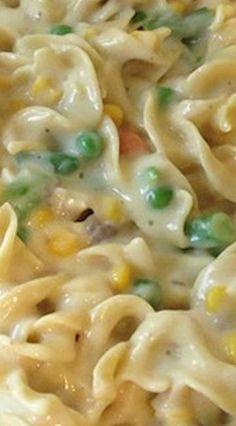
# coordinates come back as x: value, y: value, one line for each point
x: 117, y: 217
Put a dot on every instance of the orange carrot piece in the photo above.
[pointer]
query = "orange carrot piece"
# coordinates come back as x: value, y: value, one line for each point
x: 131, y: 143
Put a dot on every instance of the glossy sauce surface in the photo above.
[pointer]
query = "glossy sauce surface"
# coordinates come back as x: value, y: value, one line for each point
x: 117, y: 215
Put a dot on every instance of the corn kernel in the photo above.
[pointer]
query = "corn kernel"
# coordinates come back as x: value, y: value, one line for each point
x: 121, y: 277
x: 214, y: 299
x: 40, y: 85
x: 113, y: 210
x: 178, y: 7
x: 41, y: 217
x: 230, y: 346
x: 115, y: 113
x: 63, y: 243
x: 43, y: 87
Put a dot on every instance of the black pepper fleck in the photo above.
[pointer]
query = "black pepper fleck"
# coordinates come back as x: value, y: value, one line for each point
x: 84, y: 215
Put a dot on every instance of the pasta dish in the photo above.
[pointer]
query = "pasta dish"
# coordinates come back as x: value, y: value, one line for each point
x: 117, y: 214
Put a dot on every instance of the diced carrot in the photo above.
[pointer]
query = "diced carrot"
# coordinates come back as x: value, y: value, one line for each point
x: 131, y: 143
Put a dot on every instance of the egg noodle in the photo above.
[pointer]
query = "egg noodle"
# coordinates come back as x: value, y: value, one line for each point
x: 117, y: 217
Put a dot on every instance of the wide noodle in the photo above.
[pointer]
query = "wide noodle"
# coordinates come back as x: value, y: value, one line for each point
x: 117, y: 215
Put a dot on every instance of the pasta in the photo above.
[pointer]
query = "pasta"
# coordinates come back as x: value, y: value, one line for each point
x: 117, y: 213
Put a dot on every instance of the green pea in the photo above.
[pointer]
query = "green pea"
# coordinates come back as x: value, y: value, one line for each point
x: 61, y: 29
x: 211, y: 231
x: 165, y: 95
x: 149, y: 290
x: 90, y: 145
x: 24, y: 195
x: 159, y: 197
x: 64, y: 164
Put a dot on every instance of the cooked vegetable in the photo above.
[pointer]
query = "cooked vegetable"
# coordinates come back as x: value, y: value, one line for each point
x: 165, y: 96
x: 121, y: 277
x: 214, y: 299
x: 45, y: 90
x: 89, y: 145
x: 115, y: 113
x: 41, y: 217
x: 61, y: 29
x: 63, y: 243
x: 24, y: 194
x: 183, y: 27
x: 159, y: 197
x: 19, y: 194
x: 214, y: 230
x: 131, y: 143
x: 149, y: 290
x: 112, y: 210
x: 64, y: 164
